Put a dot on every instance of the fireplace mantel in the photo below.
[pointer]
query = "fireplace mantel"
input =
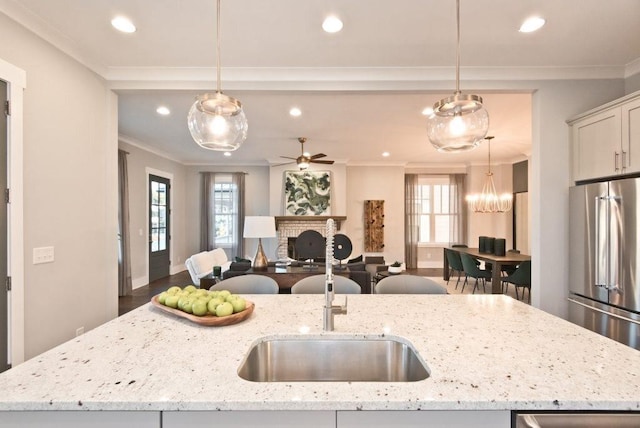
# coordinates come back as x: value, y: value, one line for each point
x: 320, y: 218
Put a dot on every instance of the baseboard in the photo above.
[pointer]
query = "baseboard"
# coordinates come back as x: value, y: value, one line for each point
x: 139, y: 282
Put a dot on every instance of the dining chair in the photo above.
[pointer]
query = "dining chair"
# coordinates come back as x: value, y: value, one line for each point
x: 408, y: 284
x: 316, y: 284
x: 248, y: 284
x: 521, y: 278
x: 455, y: 264
x: 509, y: 269
x: 472, y: 270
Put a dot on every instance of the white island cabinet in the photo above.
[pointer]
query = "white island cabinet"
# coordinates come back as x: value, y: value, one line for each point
x: 340, y: 419
x: 487, y: 355
x: 606, y: 141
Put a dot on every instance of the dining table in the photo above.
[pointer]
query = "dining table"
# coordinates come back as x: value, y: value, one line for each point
x: 510, y: 258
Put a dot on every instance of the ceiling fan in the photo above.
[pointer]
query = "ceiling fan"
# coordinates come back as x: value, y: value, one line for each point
x: 305, y: 159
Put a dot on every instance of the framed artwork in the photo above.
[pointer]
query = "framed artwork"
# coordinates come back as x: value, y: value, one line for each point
x: 307, y: 193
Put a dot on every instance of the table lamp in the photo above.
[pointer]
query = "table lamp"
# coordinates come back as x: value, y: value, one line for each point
x: 259, y: 227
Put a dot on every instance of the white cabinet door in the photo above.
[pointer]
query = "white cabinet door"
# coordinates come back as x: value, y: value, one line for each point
x: 426, y: 418
x: 631, y: 135
x: 80, y: 419
x: 597, y: 145
x: 245, y: 419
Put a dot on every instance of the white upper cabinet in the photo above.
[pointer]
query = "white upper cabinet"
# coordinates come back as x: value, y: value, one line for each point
x: 631, y: 134
x: 605, y: 142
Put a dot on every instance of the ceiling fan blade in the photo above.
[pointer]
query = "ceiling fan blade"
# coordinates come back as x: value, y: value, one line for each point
x: 286, y: 163
x: 287, y: 157
x: 319, y: 155
x: 327, y: 162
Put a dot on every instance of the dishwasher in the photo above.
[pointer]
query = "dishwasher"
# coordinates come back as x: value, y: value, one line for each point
x: 576, y: 419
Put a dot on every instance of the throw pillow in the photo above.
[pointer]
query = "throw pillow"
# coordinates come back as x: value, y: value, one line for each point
x: 356, y: 266
x: 240, y: 266
x: 356, y: 260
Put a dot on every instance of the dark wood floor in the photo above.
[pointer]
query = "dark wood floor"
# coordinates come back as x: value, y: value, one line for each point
x: 142, y: 295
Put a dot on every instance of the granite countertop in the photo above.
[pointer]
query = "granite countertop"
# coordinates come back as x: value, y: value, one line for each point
x: 485, y: 352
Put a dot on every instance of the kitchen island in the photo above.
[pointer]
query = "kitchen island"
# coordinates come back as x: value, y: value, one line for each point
x: 488, y: 354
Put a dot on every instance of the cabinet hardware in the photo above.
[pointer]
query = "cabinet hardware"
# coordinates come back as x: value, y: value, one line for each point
x: 615, y: 160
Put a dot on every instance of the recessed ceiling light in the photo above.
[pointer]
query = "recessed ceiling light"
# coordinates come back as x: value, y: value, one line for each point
x: 123, y: 24
x: 332, y: 24
x: 295, y: 112
x: 385, y: 154
x: 164, y: 111
x: 428, y: 111
x: 532, y: 24
x: 227, y: 154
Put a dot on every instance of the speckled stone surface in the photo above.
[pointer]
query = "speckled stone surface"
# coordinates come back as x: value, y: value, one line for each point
x: 484, y: 352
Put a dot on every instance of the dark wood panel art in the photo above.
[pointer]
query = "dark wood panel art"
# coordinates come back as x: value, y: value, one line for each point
x: 373, y: 226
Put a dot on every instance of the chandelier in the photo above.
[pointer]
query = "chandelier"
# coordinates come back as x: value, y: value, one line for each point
x: 458, y: 123
x: 489, y: 201
x: 216, y: 121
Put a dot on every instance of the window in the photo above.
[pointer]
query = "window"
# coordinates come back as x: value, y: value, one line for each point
x: 434, y: 209
x: 225, y: 204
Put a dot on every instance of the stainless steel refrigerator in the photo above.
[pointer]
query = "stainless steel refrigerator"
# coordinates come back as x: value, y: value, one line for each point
x: 604, y: 259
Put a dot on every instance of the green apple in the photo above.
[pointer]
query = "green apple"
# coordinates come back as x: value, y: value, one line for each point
x: 201, y: 292
x: 224, y: 293
x: 172, y: 301
x: 199, y: 308
x: 224, y: 309
x: 174, y: 289
x: 239, y: 304
x: 214, y: 302
x: 231, y: 297
x: 190, y: 288
x: 185, y: 302
x: 162, y: 297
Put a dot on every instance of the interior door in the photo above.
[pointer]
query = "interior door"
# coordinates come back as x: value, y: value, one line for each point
x: 159, y: 227
x: 4, y: 325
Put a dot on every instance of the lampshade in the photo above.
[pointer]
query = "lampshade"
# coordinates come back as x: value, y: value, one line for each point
x: 259, y: 227
x: 459, y: 122
x: 216, y: 121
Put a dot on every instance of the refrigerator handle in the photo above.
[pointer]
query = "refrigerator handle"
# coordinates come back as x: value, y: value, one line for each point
x: 615, y: 249
x: 598, y: 280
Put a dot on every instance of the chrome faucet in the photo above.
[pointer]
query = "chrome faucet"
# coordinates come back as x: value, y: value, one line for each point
x: 329, y: 309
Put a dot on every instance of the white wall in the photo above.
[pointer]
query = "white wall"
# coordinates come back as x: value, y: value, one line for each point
x: 553, y: 103
x: 70, y: 191
x: 139, y: 162
x: 376, y: 183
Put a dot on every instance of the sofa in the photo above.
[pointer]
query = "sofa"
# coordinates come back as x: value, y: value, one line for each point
x: 201, y: 264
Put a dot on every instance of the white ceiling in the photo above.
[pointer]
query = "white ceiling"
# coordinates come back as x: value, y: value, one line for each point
x: 361, y: 90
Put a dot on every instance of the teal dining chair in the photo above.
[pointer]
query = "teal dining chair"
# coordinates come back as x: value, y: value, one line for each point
x: 520, y: 278
x: 472, y: 270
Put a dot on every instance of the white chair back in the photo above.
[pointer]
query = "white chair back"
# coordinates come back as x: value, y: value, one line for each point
x: 315, y: 285
x: 248, y: 284
x: 408, y: 284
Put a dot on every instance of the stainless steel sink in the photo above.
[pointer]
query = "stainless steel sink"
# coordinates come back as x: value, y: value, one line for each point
x: 333, y: 359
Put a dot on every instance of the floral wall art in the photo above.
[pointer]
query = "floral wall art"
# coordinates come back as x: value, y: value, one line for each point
x: 307, y: 193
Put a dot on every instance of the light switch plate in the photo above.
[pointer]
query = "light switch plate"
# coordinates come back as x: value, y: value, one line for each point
x: 43, y: 255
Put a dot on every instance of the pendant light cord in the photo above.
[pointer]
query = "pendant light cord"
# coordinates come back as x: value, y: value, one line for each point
x: 218, y: 47
x: 458, y: 47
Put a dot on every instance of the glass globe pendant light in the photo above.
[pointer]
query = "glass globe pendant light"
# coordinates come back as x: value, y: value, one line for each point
x: 216, y: 121
x: 460, y: 122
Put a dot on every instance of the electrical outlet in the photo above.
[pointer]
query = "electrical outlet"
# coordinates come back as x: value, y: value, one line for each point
x: 79, y: 331
x: 43, y: 255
